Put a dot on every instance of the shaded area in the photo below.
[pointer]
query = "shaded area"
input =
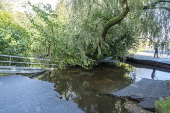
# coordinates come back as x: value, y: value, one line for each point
x: 90, y: 88
x: 132, y: 107
x: 163, y: 64
x: 20, y: 94
x: 146, y: 91
x: 141, y: 65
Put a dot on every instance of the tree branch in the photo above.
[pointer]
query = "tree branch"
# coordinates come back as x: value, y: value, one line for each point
x: 111, y: 23
x: 116, y: 20
x: 152, y: 5
x: 167, y: 8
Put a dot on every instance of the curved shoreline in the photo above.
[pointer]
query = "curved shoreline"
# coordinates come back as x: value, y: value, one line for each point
x: 146, y: 91
x: 149, y: 62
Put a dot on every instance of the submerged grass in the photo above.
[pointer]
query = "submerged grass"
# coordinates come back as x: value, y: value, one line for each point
x: 163, y: 106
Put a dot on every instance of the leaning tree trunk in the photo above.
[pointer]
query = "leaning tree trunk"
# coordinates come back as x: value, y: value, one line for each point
x: 116, y: 20
x: 111, y: 23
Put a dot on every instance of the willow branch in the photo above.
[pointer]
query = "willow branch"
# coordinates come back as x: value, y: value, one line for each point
x: 116, y: 20
x: 167, y: 8
x: 152, y: 5
x: 111, y: 23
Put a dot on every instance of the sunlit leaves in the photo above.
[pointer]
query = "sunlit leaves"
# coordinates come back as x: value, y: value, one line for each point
x: 11, y: 35
x: 75, y: 27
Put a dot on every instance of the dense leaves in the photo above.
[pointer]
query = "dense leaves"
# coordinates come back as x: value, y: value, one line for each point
x: 82, y: 32
x: 12, y: 36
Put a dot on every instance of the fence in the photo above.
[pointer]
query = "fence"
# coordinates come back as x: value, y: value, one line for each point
x: 16, y: 60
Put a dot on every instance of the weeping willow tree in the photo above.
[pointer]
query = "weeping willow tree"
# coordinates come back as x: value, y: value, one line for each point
x: 110, y: 28
x: 83, y: 32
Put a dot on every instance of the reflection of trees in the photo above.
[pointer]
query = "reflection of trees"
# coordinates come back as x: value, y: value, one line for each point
x: 88, y: 88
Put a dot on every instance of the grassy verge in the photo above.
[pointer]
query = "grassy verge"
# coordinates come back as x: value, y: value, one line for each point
x: 163, y: 106
x: 2, y: 74
x: 169, y: 82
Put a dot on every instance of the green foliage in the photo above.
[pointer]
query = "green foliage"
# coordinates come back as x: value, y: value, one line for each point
x: 163, y: 105
x: 72, y: 33
x: 169, y: 82
x: 86, y: 21
x: 11, y: 36
x: 43, y: 30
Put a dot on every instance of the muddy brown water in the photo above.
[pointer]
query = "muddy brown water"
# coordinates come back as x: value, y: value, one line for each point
x: 91, y: 89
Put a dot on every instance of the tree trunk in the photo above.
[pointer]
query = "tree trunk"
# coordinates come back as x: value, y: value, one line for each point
x: 116, y: 20
x: 111, y: 23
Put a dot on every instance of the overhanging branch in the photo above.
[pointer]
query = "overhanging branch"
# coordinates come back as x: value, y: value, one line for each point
x: 152, y: 5
x: 116, y: 20
x: 111, y: 23
x: 167, y: 8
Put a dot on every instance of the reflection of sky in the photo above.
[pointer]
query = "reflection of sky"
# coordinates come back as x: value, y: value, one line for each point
x: 140, y: 73
x: 0, y: 83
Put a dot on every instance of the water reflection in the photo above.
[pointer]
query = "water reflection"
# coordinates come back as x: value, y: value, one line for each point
x: 90, y: 88
x: 150, y: 72
x: 153, y: 74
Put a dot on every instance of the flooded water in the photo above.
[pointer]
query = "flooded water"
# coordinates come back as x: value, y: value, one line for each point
x: 150, y: 72
x: 92, y: 89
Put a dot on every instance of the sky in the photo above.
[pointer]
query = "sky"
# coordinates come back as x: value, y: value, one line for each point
x: 19, y: 3
x: 51, y: 2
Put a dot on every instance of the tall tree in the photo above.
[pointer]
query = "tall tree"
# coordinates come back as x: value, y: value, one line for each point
x: 86, y: 31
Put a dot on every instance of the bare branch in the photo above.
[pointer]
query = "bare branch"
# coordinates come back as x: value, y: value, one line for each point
x: 167, y: 8
x: 152, y: 5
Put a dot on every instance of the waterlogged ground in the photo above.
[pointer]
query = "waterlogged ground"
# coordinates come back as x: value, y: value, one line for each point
x: 77, y: 89
x: 90, y: 89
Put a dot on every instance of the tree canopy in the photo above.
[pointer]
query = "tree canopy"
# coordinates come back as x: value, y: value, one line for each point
x: 82, y: 32
x: 13, y: 37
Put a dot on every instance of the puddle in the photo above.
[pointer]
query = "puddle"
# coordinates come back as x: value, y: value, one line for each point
x: 150, y: 72
x: 90, y: 89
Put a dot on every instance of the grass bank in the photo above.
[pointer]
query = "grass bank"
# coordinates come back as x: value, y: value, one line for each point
x: 163, y: 105
x: 3, y: 74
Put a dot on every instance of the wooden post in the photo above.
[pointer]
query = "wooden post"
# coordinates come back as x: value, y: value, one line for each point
x: 10, y: 60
